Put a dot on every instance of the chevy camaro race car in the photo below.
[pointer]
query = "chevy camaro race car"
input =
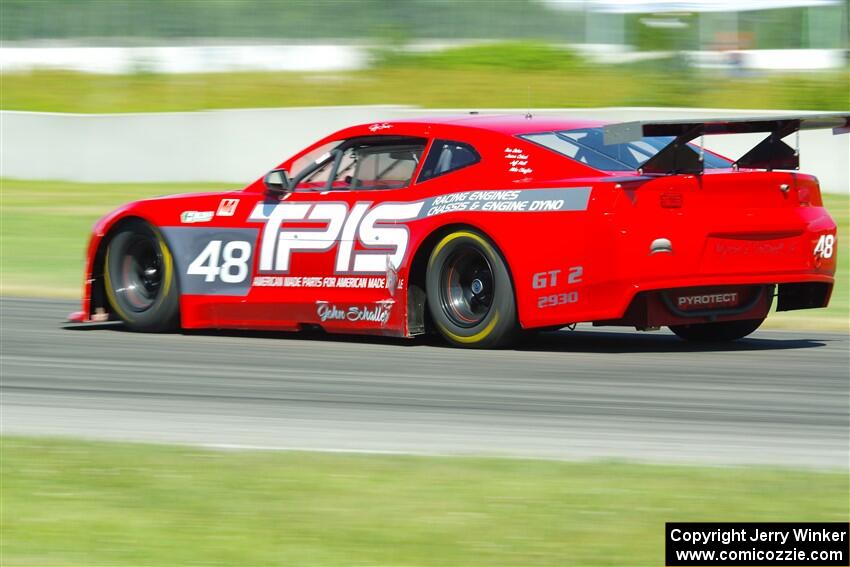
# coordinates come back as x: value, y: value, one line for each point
x: 479, y: 227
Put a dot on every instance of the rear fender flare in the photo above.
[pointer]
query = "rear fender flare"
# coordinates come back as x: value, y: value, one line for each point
x: 418, y: 266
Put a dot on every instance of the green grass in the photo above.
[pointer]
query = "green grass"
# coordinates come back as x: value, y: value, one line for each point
x: 505, y: 56
x: 44, y: 229
x: 161, y: 21
x: 83, y: 503
x: 437, y: 82
x: 517, y: 74
x: 45, y: 225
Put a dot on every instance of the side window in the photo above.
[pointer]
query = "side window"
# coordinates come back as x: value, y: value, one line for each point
x: 384, y: 166
x: 446, y: 156
x: 318, y: 178
x: 363, y: 163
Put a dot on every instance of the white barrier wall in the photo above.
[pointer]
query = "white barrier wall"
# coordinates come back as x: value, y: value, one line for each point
x: 221, y: 145
x: 317, y: 57
x: 238, y: 146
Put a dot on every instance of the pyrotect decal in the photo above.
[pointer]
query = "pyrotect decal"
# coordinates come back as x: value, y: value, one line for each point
x: 710, y: 300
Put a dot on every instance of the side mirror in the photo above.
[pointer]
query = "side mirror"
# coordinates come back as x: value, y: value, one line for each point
x: 277, y: 181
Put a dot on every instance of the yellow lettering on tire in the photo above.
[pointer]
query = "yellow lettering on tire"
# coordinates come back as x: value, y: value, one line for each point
x: 483, y: 333
x: 455, y: 235
x: 167, y: 262
x: 477, y: 337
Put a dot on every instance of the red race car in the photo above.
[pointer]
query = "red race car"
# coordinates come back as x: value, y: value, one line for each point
x: 479, y: 227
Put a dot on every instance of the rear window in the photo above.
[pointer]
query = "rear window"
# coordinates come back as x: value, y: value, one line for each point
x: 586, y: 145
x: 446, y: 156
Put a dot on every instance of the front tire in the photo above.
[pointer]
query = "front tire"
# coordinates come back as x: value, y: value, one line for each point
x: 139, y: 279
x: 717, y: 332
x: 469, y: 292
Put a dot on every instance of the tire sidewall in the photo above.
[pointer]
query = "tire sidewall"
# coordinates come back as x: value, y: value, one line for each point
x: 499, y: 325
x: 162, y: 314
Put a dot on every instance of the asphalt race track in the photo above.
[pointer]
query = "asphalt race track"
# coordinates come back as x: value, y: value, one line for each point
x: 779, y: 398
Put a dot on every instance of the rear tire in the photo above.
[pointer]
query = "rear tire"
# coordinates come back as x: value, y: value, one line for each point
x: 139, y: 279
x: 469, y: 292
x: 717, y: 332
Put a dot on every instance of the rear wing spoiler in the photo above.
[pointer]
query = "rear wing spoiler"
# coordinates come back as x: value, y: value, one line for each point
x: 679, y: 157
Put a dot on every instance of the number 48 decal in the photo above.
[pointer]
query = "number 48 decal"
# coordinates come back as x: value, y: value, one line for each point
x: 825, y: 246
x: 233, y: 257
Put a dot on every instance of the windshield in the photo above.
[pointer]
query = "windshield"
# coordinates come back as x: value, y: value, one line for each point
x: 586, y: 145
x: 313, y: 157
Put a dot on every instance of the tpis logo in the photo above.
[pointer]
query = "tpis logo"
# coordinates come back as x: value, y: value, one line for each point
x: 384, y: 243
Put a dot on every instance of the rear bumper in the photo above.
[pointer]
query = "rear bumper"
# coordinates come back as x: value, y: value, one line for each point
x: 694, y: 305
x: 709, y: 304
x: 633, y: 304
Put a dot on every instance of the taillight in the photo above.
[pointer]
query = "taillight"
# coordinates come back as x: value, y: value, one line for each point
x: 808, y: 194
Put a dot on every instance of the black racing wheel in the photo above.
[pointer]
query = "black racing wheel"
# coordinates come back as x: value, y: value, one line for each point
x: 717, y: 332
x: 139, y: 279
x: 469, y: 292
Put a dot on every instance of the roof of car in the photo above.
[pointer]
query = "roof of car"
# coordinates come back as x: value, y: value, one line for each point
x: 511, y: 124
